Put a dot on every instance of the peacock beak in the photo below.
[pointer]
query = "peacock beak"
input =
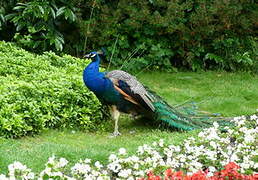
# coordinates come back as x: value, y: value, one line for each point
x: 90, y: 55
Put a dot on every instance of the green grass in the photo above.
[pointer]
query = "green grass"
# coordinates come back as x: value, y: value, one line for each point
x: 230, y: 94
x: 216, y: 92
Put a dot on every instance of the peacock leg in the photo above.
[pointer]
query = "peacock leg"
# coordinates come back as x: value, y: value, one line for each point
x: 115, y: 115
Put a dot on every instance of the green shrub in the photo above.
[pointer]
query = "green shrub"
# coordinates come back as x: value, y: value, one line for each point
x: 150, y: 34
x: 194, y: 34
x: 44, y: 91
x: 38, y: 24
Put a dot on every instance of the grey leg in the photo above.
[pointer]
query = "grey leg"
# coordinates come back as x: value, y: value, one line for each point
x: 115, y: 115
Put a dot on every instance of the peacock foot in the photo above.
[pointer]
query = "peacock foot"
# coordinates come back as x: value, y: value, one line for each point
x: 115, y: 133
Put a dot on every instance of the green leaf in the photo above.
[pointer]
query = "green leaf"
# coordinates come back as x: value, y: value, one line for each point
x: 18, y: 7
x: 60, y: 11
x: 10, y: 16
x: 41, y: 9
x: 70, y: 14
x: 58, y: 45
x: 19, y: 27
x: 36, y: 44
x: 21, y: 4
x: 2, y: 18
x: 53, y: 12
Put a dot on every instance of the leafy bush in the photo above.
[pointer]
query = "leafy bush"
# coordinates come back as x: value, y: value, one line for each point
x: 38, y: 24
x: 44, y: 91
x: 154, y: 34
x: 214, y: 155
x: 194, y: 34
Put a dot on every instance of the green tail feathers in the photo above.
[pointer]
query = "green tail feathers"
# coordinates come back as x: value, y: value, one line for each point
x: 179, y: 119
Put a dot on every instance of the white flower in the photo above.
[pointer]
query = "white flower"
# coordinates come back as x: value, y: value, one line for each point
x: 177, y: 148
x: 139, y: 173
x: 87, y: 160
x: 98, y: 165
x: 51, y: 160
x: 17, y: 165
x: 140, y: 150
x: 122, y: 151
x: 209, y: 174
x: 136, y: 166
x: 213, y: 144
x: 134, y: 158
x: 249, y: 138
x: 213, y: 135
x: 234, y: 157
x: 182, y: 158
x: 212, y: 169
x: 161, y: 163
x: 57, y: 174
x: 161, y: 142
x: 112, y: 157
x: 243, y: 129
x: 30, y: 175
x: 115, y: 167
x: 239, y: 118
x: 211, y: 155
x: 201, y: 134
x: 148, y: 160
x: 130, y: 178
x: 215, y: 125
x: 154, y: 143
x: 81, y: 168
x: 245, y: 165
x: 62, y: 163
x: 125, y: 173
x: 255, y: 165
x: 3, y: 177
x: 47, y: 170
x: 253, y: 117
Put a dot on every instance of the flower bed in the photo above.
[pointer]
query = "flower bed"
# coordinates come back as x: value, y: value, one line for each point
x: 229, y: 172
x: 210, y: 156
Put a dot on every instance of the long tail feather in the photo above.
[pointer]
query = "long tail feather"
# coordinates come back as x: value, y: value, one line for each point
x: 180, y: 119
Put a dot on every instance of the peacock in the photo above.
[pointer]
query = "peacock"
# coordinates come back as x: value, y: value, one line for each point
x: 122, y: 92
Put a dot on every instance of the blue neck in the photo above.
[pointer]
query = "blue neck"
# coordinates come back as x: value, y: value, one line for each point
x: 92, y: 78
x: 98, y: 83
x: 93, y: 67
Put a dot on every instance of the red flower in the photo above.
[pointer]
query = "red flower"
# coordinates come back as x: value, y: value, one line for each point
x: 200, y: 175
x: 229, y: 172
x: 151, y: 176
x: 170, y: 175
x: 232, y: 166
x: 168, y: 172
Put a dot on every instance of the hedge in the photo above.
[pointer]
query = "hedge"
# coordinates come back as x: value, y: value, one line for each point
x: 44, y: 91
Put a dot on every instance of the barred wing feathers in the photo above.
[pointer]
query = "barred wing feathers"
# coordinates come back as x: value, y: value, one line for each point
x: 132, y: 89
x: 155, y: 107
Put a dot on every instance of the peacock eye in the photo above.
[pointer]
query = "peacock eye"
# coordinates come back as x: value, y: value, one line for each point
x: 93, y: 55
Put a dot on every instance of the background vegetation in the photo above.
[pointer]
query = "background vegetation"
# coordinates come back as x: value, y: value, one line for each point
x: 230, y: 94
x: 44, y: 91
x: 152, y: 34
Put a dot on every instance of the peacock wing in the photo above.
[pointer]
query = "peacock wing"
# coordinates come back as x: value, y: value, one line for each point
x: 131, y: 88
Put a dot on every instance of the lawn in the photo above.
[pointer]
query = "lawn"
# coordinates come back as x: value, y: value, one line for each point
x: 230, y: 94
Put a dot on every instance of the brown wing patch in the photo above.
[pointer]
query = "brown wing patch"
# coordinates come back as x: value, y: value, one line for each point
x: 126, y: 96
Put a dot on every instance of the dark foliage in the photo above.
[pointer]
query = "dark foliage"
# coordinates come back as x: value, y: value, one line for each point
x: 154, y: 34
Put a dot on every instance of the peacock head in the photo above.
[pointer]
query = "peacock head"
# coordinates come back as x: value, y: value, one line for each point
x: 91, y: 55
x: 95, y: 55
